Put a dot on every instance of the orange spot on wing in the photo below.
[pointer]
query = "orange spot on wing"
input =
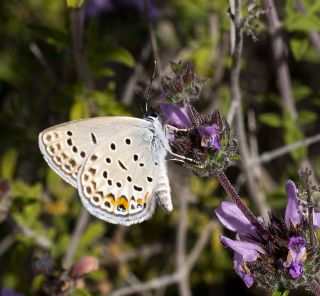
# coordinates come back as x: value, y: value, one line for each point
x: 122, y: 201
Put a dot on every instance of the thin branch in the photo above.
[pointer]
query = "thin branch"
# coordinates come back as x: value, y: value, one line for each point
x: 129, y: 88
x: 6, y: 243
x: 255, y: 194
x: 175, y: 277
x: 153, y: 284
x: 280, y: 56
x: 268, y: 156
x: 200, y: 244
x: 77, y: 27
x: 81, y: 224
x: 143, y: 252
x: 39, y: 240
x: 181, y: 237
x: 34, y: 48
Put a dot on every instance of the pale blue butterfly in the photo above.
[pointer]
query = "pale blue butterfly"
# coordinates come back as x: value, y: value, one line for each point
x: 118, y: 165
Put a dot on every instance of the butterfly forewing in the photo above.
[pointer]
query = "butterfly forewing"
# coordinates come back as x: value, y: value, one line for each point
x: 66, y: 146
x: 118, y: 181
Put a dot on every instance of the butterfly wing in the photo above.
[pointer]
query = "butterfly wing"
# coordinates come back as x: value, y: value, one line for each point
x: 65, y: 147
x: 124, y: 176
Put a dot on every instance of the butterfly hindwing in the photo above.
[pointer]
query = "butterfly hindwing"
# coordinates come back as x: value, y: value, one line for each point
x: 119, y: 180
x: 65, y: 147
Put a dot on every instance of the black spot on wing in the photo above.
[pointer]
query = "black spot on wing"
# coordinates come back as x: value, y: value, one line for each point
x: 93, y: 138
x: 135, y: 187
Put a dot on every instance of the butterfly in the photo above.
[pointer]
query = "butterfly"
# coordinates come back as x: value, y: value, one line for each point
x: 117, y: 164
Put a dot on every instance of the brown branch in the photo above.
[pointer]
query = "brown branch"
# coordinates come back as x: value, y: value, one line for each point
x: 129, y: 88
x: 77, y: 27
x: 280, y: 57
x: 273, y: 154
x: 255, y: 194
x: 109, y: 258
x: 81, y: 224
x: 39, y: 240
x: 6, y: 243
x: 175, y: 277
x: 181, y: 237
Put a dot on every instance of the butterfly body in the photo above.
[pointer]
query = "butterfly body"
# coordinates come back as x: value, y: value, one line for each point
x: 116, y: 163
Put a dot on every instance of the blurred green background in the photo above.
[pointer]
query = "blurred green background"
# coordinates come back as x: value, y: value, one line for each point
x: 59, y: 63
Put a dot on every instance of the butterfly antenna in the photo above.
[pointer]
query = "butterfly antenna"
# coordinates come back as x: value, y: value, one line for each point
x: 149, y: 87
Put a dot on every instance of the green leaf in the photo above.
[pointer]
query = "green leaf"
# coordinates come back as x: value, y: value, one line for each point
x: 120, y: 55
x: 92, y: 234
x: 75, y: 3
x: 271, y: 119
x: 301, y: 22
x: 299, y: 47
x: 50, y: 35
x: 306, y: 117
x: 79, y: 110
x: 8, y: 163
x: 79, y: 292
x: 280, y: 293
x: 293, y: 134
x: 25, y: 191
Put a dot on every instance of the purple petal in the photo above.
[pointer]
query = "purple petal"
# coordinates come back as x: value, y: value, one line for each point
x: 292, y: 210
x: 209, y: 136
x: 297, y: 254
x: 296, y: 269
x: 217, y: 142
x: 233, y: 219
x: 244, y: 275
x: 208, y: 130
x: 316, y: 219
x: 248, y: 251
x: 176, y: 116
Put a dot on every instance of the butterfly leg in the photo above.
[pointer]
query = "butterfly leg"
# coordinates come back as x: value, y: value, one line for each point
x: 169, y: 127
x: 182, y: 158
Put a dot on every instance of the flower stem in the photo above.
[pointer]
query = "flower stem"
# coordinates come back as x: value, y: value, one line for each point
x: 314, y: 287
x: 225, y: 183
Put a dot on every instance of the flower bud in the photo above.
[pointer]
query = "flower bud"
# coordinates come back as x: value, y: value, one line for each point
x: 84, y: 266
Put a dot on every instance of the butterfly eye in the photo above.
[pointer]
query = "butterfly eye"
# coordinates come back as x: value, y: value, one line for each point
x: 154, y: 115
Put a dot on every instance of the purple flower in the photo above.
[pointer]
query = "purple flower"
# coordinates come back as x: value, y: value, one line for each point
x: 254, y: 255
x: 176, y: 116
x: 179, y: 118
x: 294, y: 210
x: 245, y: 250
x: 297, y: 254
x: 233, y: 219
x: 292, y: 214
x: 209, y: 136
